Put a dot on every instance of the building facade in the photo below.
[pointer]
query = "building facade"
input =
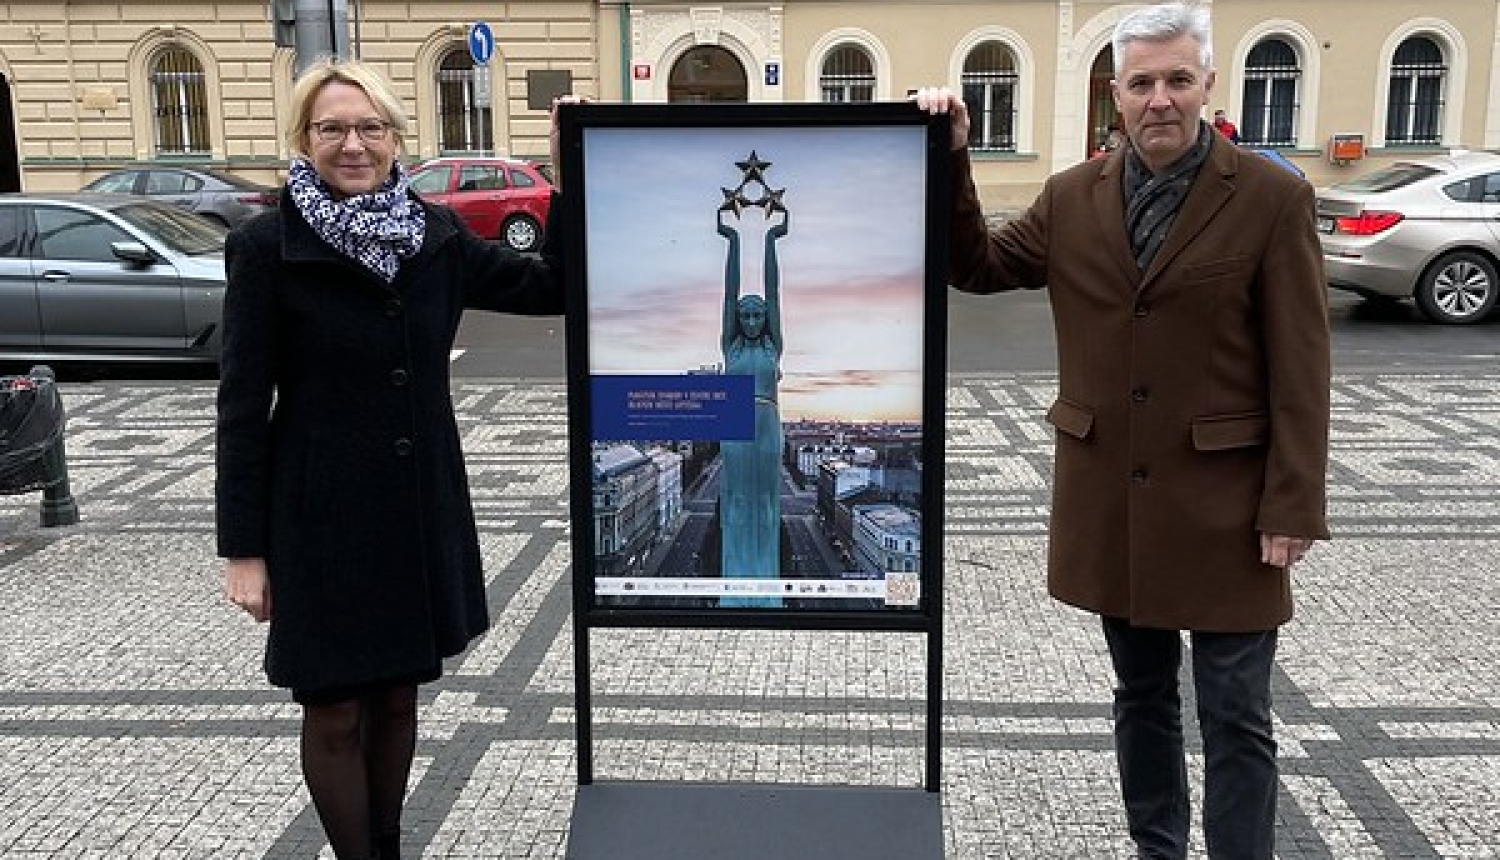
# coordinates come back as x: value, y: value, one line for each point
x: 888, y: 538
x: 89, y: 85
x: 625, y: 491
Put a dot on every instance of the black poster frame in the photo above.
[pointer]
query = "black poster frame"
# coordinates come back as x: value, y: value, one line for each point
x: 580, y: 126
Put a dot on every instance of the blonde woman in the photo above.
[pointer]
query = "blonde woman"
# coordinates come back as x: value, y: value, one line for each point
x: 342, y: 502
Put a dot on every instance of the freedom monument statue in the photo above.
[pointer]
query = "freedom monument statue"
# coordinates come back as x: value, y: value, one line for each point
x: 751, y: 341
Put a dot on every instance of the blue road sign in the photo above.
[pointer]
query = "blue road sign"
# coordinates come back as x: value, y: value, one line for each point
x: 481, y: 42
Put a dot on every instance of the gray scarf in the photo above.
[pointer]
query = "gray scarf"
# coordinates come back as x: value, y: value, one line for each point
x: 1152, y: 200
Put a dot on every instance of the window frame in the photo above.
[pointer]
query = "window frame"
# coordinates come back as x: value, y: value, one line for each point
x: 983, y: 136
x: 471, y: 119
x: 180, y: 110
x: 1271, y: 95
x: 1405, y: 123
x: 844, y: 83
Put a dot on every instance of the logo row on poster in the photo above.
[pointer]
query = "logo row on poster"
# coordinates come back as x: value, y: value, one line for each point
x: 896, y: 589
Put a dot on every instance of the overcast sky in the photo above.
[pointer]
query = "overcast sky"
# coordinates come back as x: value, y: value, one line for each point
x: 851, y: 266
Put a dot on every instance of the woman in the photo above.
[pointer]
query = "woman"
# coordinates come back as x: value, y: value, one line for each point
x: 750, y: 489
x: 343, y: 505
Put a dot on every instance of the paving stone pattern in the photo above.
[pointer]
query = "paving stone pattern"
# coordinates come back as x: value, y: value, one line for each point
x: 135, y: 721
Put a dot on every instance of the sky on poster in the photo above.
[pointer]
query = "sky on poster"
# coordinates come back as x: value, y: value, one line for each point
x: 851, y: 266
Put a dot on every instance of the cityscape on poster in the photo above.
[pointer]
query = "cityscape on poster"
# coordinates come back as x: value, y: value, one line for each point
x: 755, y: 352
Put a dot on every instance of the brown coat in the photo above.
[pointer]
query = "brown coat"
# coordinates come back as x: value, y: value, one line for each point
x: 1193, y: 404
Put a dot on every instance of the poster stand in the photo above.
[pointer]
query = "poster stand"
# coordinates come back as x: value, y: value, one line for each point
x: 772, y: 171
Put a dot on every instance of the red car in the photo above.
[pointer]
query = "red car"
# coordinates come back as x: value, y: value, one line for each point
x: 499, y: 198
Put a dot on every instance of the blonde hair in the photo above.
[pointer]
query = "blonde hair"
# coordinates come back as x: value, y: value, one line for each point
x: 352, y: 72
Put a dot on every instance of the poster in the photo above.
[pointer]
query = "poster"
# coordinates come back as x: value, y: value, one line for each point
x: 755, y: 357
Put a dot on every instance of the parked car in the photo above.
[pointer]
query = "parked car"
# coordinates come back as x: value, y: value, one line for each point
x: 106, y: 277
x: 1427, y: 229
x: 499, y: 198
x: 224, y: 197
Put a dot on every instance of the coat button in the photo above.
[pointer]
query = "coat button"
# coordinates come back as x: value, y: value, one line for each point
x: 1138, y: 476
x: 1141, y: 310
x: 403, y: 447
x: 1139, y: 395
x: 399, y: 377
x: 393, y: 308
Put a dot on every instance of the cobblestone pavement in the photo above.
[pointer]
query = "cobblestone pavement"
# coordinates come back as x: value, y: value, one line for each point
x: 135, y: 722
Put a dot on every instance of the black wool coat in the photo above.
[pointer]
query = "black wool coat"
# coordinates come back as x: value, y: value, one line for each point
x: 338, y: 457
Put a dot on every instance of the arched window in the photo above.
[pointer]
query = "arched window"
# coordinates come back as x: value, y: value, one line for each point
x: 1272, y: 78
x: 989, y: 87
x: 179, y: 97
x: 1414, y: 110
x: 463, y: 118
x: 848, y: 75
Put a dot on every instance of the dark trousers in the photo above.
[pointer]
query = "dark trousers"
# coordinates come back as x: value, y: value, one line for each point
x: 1232, y: 682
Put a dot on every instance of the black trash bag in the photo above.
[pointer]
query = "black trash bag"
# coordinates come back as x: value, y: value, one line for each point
x: 31, y: 422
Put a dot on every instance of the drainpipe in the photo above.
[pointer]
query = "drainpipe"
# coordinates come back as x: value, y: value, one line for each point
x: 322, y: 28
x: 355, y: 14
x: 73, y: 95
x: 626, y: 76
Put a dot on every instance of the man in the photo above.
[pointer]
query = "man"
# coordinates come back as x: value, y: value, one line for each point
x: 1191, y: 420
x: 1223, y: 126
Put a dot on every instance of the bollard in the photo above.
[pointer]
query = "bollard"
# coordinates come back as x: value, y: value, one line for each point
x: 58, y: 507
x: 32, y: 455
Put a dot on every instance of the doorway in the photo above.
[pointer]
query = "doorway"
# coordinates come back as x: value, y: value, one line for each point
x: 708, y: 73
x: 10, y: 152
x: 1102, y: 113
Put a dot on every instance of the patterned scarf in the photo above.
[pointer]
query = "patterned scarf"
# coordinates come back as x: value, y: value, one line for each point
x: 1152, y: 200
x: 376, y: 230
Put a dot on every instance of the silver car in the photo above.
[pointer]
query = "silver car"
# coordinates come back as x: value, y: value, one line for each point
x: 108, y: 277
x: 224, y: 197
x: 1426, y: 229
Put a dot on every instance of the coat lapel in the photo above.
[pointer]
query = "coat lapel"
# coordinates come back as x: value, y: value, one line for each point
x: 1213, y: 188
x: 1109, y: 208
x: 439, y: 231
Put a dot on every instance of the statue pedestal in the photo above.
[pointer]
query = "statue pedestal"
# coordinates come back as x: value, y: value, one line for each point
x: 692, y: 821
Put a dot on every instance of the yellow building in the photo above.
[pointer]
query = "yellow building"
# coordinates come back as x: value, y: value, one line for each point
x: 88, y: 85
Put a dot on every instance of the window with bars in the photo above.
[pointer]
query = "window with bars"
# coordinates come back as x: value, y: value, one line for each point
x: 463, y: 120
x: 1273, y: 76
x: 848, y: 75
x: 989, y: 88
x: 179, y: 96
x: 1414, y: 108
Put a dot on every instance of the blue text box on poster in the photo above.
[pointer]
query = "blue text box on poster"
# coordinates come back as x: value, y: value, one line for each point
x: 700, y: 407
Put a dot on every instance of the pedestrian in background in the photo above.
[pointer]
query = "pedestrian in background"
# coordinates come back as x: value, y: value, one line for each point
x: 342, y: 501
x: 1191, y: 418
x: 1223, y: 126
x: 1114, y: 138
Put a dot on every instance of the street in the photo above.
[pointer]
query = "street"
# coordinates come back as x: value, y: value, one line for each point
x: 1011, y: 333
x: 135, y: 720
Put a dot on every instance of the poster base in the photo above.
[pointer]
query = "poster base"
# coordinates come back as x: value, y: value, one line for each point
x: 691, y: 821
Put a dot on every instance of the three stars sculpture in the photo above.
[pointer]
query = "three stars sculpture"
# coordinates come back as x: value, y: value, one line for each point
x: 753, y: 170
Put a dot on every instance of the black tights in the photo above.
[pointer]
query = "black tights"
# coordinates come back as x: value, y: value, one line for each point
x: 356, y: 757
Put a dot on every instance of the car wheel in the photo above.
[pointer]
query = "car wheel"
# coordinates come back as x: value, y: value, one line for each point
x: 521, y: 233
x: 1458, y: 289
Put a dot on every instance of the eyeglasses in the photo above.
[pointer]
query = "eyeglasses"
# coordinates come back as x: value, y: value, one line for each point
x: 333, y: 131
